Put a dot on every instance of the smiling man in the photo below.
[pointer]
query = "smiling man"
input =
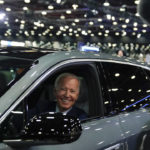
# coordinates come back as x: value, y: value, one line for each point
x: 67, y: 89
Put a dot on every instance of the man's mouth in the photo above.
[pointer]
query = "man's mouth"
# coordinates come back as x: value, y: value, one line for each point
x: 65, y: 100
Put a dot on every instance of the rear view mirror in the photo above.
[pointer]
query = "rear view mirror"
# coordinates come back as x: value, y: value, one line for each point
x: 53, y: 126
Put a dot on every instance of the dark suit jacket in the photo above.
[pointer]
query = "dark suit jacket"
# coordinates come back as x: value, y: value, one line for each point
x: 51, y: 107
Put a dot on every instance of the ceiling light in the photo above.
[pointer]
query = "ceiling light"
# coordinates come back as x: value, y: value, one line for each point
x: 91, y: 23
x: 127, y: 20
x: 25, y: 8
x: 75, y: 31
x: 8, y: 9
x: 70, y: 34
x: 73, y: 24
x: 89, y: 31
x: 76, y: 20
x: 106, y: 4
x: 139, y: 35
x: 84, y: 32
x: 2, y: 15
x: 99, y: 19
x: 27, y: 1
x: 79, y: 29
x: 77, y: 35
x: 1, y: 2
x: 133, y: 33
x: 44, y: 13
x: 50, y: 7
x: 136, y: 2
x: 106, y: 31
x: 133, y: 77
x: 101, y: 26
x: 117, y: 74
x: 124, y: 26
x: 124, y: 33
x: 51, y: 27
x: 92, y: 34
x: 122, y: 9
x: 58, y: 1
x: 68, y: 11
x: 70, y: 30
x: 145, y: 25
x: 61, y: 28
x: 135, y: 29
x: 108, y: 16
x: 137, y: 14
x: 115, y: 23
x: 135, y: 24
x: 144, y: 31
x: 22, y: 21
x: 99, y: 33
x: 62, y: 17
x: 75, y: 6
x: 113, y: 18
x: 66, y: 27
x: 117, y: 33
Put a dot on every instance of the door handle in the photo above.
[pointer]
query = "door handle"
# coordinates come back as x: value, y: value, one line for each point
x: 119, y: 146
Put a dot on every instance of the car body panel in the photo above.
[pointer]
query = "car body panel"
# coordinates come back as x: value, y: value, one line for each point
x: 113, y: 132
x: 135, y: 125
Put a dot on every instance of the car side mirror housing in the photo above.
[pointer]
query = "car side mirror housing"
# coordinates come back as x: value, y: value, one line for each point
x: 53, y: 126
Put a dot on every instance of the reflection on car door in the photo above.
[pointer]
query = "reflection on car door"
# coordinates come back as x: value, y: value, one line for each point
x: 128, y: 87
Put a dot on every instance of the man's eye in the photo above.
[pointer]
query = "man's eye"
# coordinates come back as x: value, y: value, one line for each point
x: 72, y: 91
x: 63, y: 89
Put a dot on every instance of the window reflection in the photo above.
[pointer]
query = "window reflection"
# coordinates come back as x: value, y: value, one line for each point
x: 132, y: 84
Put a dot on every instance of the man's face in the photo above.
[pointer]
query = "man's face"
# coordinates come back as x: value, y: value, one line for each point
x: 67, y: 93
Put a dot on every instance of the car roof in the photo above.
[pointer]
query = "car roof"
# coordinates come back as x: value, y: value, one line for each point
x: 32, y: 53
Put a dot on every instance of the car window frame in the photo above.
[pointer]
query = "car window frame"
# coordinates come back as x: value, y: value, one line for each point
x: 39, y: 80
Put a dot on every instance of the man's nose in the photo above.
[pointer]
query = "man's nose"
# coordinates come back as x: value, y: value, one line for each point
x: 67, y: 93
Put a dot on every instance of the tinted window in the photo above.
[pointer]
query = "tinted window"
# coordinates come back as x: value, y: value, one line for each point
x: 128, y: 87
x: 11, y: 69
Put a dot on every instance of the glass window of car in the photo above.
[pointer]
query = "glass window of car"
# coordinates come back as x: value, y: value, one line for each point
x: 128, y: 87
x: 11, y: 69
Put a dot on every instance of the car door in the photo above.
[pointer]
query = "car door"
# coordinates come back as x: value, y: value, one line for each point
x: 98, y: 132
x: 128, y: 87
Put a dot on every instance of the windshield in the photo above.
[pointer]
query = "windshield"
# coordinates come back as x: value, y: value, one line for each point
x: 11, y: 69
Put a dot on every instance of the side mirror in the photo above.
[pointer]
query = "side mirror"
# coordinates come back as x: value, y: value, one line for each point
x: 54, y: 127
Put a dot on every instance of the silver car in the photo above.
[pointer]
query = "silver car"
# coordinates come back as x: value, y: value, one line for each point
x: 115, y: 93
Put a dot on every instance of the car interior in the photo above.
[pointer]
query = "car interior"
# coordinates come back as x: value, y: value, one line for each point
x: 89, y: 89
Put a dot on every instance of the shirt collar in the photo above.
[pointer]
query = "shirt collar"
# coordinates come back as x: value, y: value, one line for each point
x: 64, y: 112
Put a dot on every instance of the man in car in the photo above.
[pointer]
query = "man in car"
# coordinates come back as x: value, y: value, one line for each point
x: 66, y: 91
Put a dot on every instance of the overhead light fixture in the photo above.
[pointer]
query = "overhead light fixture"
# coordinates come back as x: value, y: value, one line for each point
x: 2, y: 15
x: 27, y: 1
x: 68, y: 11
x: 50, y: 7
x: 106, y: 3
x: 75, y: 6
x: 8, y: 9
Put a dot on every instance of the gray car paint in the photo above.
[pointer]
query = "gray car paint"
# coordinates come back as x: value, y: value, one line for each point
x: 100, y: 133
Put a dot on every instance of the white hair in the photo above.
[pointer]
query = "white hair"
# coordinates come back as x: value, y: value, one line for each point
x: 64, y: 75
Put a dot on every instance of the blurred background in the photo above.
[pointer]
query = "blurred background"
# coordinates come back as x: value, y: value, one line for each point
x: 108, y: 25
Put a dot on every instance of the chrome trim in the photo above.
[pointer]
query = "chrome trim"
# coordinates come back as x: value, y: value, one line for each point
x: 30, y: 88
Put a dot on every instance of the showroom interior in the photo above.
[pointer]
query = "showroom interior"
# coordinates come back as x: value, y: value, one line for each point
x: 70, y: 24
